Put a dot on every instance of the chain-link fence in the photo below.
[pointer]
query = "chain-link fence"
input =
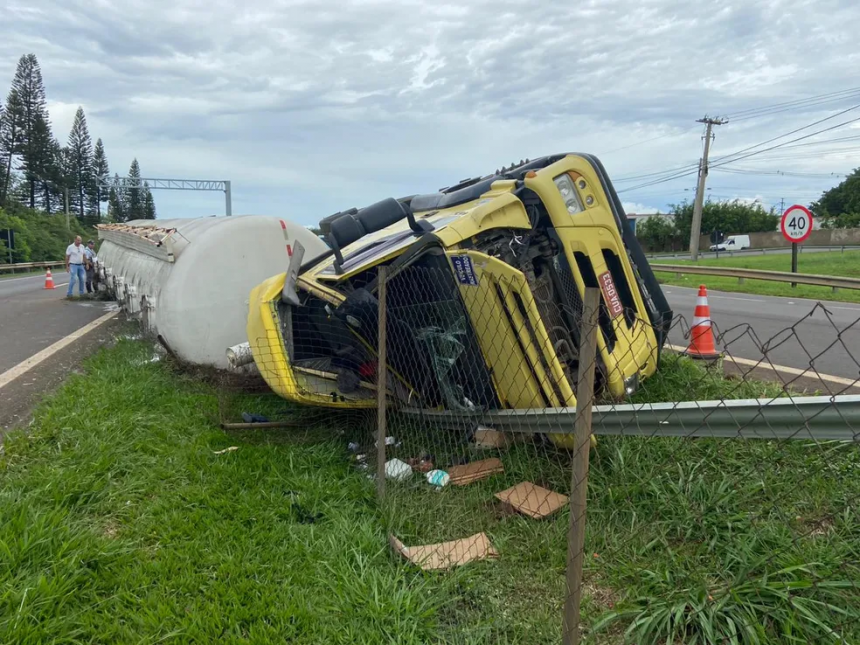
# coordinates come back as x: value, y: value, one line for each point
x: 720, y: 491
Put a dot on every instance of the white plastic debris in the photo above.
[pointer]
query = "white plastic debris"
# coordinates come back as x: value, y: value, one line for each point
x: 438, y: 478
x: 397, y: 470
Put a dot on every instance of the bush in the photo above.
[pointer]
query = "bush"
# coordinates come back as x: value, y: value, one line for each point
x: 36, y: 236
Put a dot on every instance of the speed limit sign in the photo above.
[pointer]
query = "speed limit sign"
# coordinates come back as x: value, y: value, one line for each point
x: 796, y: 224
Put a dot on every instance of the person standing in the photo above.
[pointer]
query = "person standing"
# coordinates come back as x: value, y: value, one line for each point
x: 90, y: 264
x: 75, y: 266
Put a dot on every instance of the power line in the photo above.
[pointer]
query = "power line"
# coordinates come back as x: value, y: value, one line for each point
x: 795, y: 131
x: 798, y: 103
x: 664, y: 176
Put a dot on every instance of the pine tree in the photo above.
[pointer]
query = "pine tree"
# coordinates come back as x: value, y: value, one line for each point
x: 148, y: 203
x: 133, y: 202
x: 34, y: 121
x: 115, y: 204
x: 101, y: 171
x: 42, y: 164
x: 10, y: 140
x: 81, y: 171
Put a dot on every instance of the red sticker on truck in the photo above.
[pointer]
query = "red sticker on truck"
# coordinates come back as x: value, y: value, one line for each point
x: 610, y: 295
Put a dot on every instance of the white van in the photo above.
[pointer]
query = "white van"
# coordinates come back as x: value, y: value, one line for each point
x: 732, y: 243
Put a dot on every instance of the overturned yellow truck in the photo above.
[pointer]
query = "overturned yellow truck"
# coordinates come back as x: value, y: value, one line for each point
x: 483, y: 298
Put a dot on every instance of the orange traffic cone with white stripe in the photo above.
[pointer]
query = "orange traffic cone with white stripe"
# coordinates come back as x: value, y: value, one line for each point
x: 49, y: 281
x: 701, y: 335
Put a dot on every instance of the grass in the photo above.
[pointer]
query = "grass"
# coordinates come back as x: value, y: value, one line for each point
x: 829, y: 263
x: 118, y: 523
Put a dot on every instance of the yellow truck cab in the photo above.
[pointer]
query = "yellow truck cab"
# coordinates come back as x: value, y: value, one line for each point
x: 484, y: 296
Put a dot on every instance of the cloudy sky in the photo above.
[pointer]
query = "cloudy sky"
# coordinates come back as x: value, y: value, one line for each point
x: 310, y: 107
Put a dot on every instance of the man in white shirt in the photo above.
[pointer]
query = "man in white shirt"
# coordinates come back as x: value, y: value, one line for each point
x: 75, y: 266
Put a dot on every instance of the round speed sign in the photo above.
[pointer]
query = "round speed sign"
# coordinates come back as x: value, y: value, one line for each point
x: 796, y: 224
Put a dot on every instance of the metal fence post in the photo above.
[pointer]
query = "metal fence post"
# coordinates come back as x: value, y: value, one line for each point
x: 381, y: 374
x: 579, y: 474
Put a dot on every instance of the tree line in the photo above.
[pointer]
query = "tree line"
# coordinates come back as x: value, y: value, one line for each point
x: 38, y: 172
x: 838, y: 207
x: 671, y: 232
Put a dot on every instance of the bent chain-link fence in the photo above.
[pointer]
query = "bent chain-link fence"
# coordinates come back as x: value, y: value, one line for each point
x: 715, y: 503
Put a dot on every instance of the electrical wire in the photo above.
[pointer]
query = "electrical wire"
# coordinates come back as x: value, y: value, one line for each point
x: 810, y: 101
x: 795, y: 131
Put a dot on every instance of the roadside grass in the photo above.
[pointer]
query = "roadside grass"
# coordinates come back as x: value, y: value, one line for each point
x: 118, y: 523
x: 829, y: 263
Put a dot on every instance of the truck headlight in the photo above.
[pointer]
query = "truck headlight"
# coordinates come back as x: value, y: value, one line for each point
x: 568, y: 193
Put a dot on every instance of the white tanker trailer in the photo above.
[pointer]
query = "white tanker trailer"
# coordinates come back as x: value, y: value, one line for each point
x: 189, y: 279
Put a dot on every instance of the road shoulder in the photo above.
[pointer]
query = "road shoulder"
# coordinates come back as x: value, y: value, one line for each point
x: 19, y: 397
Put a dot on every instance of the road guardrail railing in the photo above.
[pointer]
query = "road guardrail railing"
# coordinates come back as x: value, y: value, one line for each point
x: 834, y: 282
x: 24, y: 266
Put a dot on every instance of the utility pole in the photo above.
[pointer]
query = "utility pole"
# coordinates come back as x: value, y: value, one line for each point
x: 696, y: 229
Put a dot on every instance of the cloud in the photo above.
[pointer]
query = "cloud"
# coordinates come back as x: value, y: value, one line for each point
x: 640, y: 209
x: 312, y: 108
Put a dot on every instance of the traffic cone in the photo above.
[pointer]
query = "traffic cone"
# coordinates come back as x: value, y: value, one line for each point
x: 49, y: 281
x: 701, y: 335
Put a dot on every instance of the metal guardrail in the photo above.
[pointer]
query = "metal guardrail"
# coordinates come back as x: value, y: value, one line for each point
x: 816, y: 418
x: 763, y: 251
x: 31, y: 265
x: 834, y: 282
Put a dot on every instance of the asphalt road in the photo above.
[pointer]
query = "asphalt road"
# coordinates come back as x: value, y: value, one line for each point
x: 793, y: 332
x: 750, y: 252
x: 32, y: 318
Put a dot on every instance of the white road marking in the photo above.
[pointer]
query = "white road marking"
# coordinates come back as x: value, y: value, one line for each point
x: 855, y: 310
x: 809, y: 373
x: 11, y: 374
x: 731, y: 298
x: 26, y: 277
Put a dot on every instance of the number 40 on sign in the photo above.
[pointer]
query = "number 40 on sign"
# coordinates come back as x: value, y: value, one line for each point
x: 796, y: 224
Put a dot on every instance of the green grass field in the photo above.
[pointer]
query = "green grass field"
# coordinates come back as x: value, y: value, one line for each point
x: 119, y: 524
x: 829, y: 263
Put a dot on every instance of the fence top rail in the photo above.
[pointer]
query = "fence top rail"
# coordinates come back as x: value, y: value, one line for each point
x: 761, y: 274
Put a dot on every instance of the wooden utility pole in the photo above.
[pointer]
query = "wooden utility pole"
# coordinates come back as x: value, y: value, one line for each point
x: 696, y: 229
x: 579, y: 471
x: 381, y: 381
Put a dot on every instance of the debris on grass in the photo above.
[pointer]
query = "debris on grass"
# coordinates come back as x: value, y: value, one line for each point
x: 532, y: 500
x: 397, y: 470
x: 463, y: 475
x: 423, y: 464
x: 438, y: 478
x: 445, y: 555
x: 226, y: 450
x: 489, y: 438
x: 247, y: 417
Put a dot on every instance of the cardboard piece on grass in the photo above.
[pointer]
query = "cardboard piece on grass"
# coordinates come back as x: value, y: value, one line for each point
x: 432, y: 557
x: 462, y: 475
x: 489, y: 438
x: 532, y: 500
